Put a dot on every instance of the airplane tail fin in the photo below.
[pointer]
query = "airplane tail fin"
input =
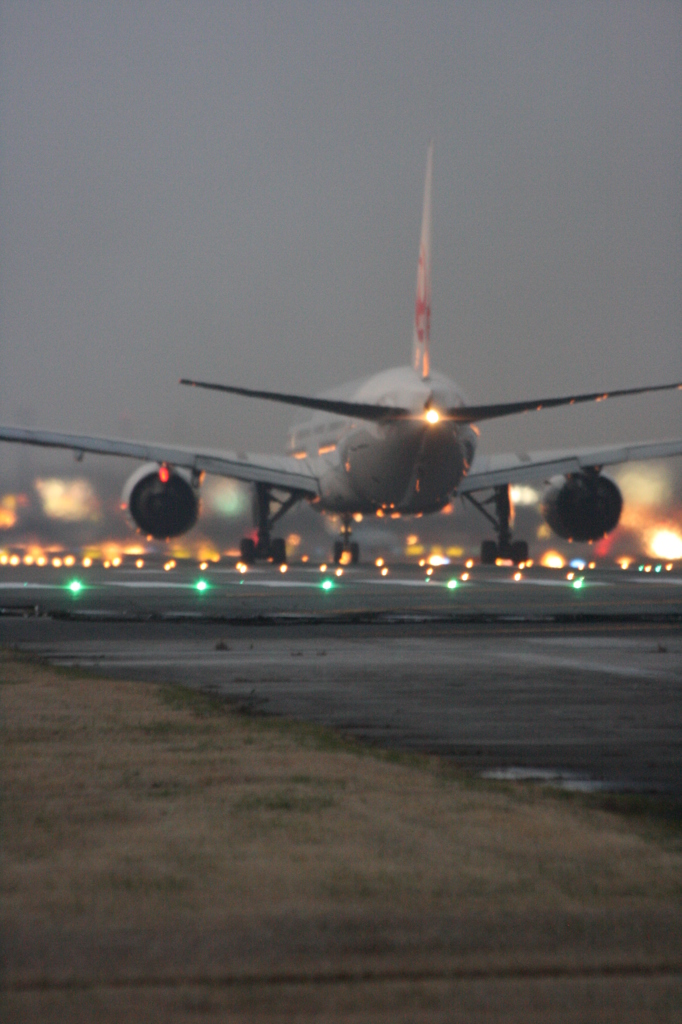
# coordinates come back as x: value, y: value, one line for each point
x: 422, y: 305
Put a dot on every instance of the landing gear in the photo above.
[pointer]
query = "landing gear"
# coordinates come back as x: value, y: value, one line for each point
x: 341, y: 547
x: 267, y: 547
x: 504, y: 547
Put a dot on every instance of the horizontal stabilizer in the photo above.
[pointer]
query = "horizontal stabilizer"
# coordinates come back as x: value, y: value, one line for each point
x: 458, y: 414
x: 477, y: 413
x: 356, y: 410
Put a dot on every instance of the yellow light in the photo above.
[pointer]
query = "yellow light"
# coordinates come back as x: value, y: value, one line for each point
x: 624, y: 563
x: 14, y: 560
x: 591, y: 565
x: 432, y: 416
x: 304, y: 558
x: 412, y: 540
x: 28, y: 559
x: 422, y: 562
x: 669, y: 567
x: 203, y: 566
x: 139, y: 563
x: 384, y: 571
x: 107, y: 564
x: 429, y: 572
x: 552, y: 560
x: 464, y: 576
x: 41, y: 560
x: 69, y: 560
x: 283, y: 568
x: 339, y: 571
x: 357, y: 517
x: 3, y: 559
x: 57, y: 563
x: 666, y: 544
x: 379, y: 562
x: 469, y: 563
x: 346, y: 558
x: 570, y: 576
x: 323, y: 567
x: 647, y: 568
x: 114, y: 561
x: 518, y: 576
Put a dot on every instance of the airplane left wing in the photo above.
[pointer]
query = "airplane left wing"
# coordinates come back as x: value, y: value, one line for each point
x: 527, y: 467
x: 276, y: 470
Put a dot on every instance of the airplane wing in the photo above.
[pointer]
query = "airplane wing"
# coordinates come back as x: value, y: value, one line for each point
x: 526, y: 467
x: 276, y: 470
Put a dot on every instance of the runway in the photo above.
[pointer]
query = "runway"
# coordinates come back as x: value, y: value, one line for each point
x: 531, y: 678
x: 449, y: 593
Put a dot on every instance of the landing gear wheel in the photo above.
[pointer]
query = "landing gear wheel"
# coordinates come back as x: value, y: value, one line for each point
x: 278, y: 551
x: 248, y: 550
x: 338, y: 551
x: 354, y: 553
x: 488, y: 552
x: 518, y: 551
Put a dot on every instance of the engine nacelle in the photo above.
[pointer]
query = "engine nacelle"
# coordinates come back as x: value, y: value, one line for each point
x: 584, y: 508
x: 161, y: 501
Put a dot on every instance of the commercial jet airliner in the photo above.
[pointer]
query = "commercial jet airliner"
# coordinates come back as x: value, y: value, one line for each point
x: 402, y: 441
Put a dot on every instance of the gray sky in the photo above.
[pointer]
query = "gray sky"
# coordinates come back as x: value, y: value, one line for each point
x: 233, y: 192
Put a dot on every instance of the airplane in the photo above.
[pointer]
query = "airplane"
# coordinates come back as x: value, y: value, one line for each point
x: 401, y: 441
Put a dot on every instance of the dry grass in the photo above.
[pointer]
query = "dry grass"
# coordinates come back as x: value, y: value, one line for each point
x: 126, y: 805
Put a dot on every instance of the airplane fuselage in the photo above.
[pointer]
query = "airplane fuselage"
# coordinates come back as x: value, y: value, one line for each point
x: 409, y: 466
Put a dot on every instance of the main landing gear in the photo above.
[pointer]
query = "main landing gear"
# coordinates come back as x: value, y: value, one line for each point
x: 504, y: 547
x: 266, y: 547
x: 345, y: 545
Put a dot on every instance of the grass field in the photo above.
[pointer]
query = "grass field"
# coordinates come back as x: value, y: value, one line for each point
x: 166, y: 856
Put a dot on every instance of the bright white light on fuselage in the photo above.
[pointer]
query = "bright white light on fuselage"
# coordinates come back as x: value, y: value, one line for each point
x: 432, y: 416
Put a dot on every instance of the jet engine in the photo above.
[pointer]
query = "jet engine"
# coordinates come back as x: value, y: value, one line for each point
x: 161, y: 501
x: 584, y: 508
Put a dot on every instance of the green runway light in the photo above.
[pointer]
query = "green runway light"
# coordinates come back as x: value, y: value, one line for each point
x: 75, y: 586
x: 452, y: 584
x: 201, y: 585
x: 577, y: 584
x: 327, y: 584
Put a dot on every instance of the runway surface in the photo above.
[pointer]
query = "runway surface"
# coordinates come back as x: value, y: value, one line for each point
x: 578, y: 686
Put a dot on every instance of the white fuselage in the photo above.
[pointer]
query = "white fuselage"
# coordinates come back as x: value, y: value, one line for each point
x: 409, y: 466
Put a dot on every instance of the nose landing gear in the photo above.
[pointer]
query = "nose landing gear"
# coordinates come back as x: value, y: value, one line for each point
x: 514, y: 550
x: 345, y: 546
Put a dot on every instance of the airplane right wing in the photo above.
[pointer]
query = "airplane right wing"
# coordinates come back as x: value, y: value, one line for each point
x: 528, y: 467
x: 276, y: 470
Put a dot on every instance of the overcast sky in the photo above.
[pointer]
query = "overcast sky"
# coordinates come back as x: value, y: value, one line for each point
x: 233, y: 192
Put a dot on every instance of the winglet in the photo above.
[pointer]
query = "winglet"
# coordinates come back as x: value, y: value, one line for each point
x: 422, y: 305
